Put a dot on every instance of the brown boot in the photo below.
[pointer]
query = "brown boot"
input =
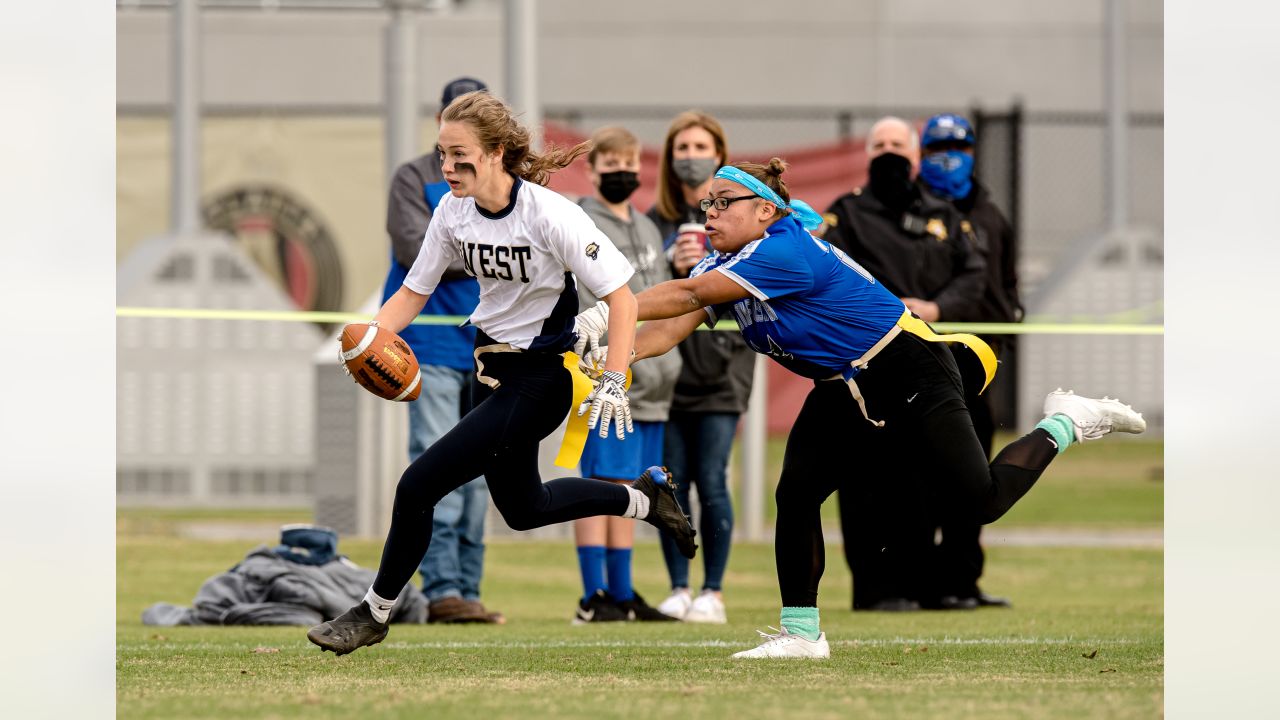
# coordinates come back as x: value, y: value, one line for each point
x: 454, y: 610
x: 493, y: 618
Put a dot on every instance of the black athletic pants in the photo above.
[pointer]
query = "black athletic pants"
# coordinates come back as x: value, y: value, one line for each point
x: 915, y: 388
x: 498, y: 439
x: 889, y: 529
x: 958, y: 559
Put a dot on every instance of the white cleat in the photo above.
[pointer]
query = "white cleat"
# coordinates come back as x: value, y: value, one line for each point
x: 786, y: 645
x: 677, y: 604
x: 1091, y: 417
x: 706, y: 608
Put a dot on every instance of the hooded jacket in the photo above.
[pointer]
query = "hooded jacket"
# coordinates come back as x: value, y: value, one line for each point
x: 653, y: 380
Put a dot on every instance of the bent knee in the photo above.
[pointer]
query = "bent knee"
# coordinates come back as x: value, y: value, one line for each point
x: 521, y: 521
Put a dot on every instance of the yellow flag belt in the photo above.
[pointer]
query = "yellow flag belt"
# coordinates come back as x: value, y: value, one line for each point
x: 921, y: 329
x: 575, y: 433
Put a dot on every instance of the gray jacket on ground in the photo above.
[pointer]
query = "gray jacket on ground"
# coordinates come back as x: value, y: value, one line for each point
x: 653, y: 380
x: 266, y: 589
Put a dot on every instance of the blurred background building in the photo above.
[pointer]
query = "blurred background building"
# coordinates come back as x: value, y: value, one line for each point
x: 294, y: 154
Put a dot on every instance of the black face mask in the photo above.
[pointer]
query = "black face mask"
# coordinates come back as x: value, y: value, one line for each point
x: 889, y: 178
x: 618, y: 186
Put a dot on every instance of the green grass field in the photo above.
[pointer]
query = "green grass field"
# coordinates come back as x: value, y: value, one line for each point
x: 1084, y: 640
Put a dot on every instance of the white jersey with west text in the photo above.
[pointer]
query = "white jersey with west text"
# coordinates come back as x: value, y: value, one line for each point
x: 523, y: 257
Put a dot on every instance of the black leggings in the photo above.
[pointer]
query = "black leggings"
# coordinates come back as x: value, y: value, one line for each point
x: 498, y: 439
x: 914, y: 387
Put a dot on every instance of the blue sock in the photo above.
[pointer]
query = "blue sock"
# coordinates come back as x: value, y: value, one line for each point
x: 618, y: 561
x: 591, y: 564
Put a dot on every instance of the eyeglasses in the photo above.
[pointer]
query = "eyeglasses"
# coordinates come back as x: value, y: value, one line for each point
x: 722, y: 203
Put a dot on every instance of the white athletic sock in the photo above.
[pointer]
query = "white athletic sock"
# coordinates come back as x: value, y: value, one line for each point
x: 379, y: 606
x: 638, y: 505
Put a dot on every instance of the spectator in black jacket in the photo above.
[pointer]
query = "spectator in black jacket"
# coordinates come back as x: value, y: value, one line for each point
x: 715, y: 382
x: 947, y: 173
x: 918, y: 246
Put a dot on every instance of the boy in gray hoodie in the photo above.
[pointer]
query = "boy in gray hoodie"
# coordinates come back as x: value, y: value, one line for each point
x: 604, y: 543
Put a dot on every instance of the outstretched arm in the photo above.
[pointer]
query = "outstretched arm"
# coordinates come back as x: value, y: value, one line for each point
x: 622, y: 327
x: 675, y: 298
x: 400, y: 309
x: 657, y: 337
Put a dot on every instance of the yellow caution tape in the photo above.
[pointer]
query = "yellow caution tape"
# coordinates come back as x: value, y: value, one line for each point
x: 1037, y: 328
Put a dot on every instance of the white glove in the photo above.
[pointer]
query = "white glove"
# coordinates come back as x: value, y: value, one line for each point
x: 608, y: 401
x: 342, y: 361
x: 590, y: 325
x: 592, y: 364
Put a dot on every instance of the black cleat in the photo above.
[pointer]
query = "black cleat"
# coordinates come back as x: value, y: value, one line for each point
x: 664, y: 510
x: 639, y: 610
x: 598, y: 608
x: 349, y: 631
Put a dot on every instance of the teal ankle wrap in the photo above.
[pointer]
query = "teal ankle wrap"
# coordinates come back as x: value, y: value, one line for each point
x: 802, y: 621
x: 1060, y: 428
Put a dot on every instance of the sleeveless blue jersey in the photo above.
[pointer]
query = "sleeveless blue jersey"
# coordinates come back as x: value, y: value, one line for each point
x: 811, y: 308
x: 444, y: 345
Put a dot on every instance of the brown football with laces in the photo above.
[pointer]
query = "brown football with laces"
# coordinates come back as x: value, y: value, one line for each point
x: 380, y: 362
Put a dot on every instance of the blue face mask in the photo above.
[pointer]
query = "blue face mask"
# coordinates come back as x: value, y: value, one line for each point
x: 949, y: 174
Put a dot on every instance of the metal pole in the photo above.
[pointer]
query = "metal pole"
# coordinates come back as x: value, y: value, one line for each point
x: 185, y: 199
x: 522, y: 64
x: 754, y: 442
x: 402, y: 83
x: 1116, y: 79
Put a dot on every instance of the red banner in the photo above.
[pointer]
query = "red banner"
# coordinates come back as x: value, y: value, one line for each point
x: 818, y: 174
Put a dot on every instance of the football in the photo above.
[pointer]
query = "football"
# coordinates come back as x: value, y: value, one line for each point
x: 380, y: 362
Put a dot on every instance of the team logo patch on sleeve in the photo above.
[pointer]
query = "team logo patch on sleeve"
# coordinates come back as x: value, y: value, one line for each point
x: 593, y: 250
x: 936, y: 228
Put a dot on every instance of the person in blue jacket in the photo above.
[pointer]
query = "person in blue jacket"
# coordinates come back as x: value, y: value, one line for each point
x: 883, y: 381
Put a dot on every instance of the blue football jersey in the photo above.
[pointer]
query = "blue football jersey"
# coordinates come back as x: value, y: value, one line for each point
x: 811, y: 308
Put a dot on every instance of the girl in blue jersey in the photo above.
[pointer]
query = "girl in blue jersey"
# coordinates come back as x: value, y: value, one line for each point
x: 887, y: 398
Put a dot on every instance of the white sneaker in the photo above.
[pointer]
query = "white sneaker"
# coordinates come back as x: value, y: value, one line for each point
x: 1093, y: 418
x: 677, y: 605
x: 786, y: 645
x: 706, y: 608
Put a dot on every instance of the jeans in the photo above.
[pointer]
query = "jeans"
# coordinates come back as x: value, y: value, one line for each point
x: 696, y: 452
x: 454, y: 561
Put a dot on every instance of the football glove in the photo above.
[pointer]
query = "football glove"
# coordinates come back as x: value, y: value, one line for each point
x: 608, y: 402
x: 590, y: 325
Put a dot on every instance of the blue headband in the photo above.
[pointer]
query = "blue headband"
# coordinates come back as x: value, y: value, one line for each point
x: 808, y: 218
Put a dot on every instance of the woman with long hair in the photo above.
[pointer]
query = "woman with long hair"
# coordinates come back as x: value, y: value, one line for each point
x: 715, y: 380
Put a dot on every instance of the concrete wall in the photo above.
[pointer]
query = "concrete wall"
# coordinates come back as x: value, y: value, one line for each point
x: 712, y: 52
x: 294, y: 98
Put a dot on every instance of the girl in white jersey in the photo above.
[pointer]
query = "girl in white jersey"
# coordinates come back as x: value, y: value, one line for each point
x: 524, y: 244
